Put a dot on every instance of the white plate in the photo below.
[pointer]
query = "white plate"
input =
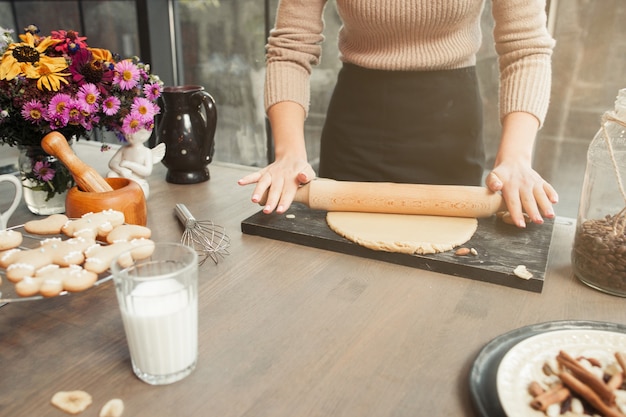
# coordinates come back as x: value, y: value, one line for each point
x: 523, y: 363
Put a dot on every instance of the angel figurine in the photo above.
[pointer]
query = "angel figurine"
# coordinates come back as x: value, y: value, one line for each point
x: 135, y: 161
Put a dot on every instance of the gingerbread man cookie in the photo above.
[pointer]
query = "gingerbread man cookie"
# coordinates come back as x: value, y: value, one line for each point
x: 99, y: 257
x: 67, y: 252
x: 22, y: 263
x: 10, y: 239
x: 51, y: 225
x: 126, y: 232
x: 94, y: 225
x: 51, y: 280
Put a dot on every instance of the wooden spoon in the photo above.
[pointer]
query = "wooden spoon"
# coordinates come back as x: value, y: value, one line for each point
x: 87, y: 178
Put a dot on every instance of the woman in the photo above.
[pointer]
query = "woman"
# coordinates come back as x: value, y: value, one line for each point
x: 406, y: 107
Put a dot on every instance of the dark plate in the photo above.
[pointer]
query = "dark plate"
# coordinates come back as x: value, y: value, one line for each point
x: 483, y: 376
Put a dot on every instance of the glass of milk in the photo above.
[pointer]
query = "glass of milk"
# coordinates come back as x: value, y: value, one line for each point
x: 158, y: 299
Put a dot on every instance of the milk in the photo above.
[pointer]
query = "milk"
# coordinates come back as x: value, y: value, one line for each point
x: 161, y: 324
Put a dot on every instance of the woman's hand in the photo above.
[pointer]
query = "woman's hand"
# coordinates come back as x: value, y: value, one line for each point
x: 276, y: 184
x: 523, y: 189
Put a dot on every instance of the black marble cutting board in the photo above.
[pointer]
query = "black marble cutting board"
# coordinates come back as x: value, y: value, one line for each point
x: 501, y: 247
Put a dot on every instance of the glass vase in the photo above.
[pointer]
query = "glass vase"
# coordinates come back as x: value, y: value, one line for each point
x: 45, y: 180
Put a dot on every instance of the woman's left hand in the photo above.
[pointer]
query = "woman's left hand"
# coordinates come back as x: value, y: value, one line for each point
x: 524, y: 191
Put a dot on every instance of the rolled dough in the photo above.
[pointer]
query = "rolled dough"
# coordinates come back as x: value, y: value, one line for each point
x: 403, y: 233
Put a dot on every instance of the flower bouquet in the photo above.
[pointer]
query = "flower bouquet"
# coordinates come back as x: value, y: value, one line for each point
x: 58, y: 82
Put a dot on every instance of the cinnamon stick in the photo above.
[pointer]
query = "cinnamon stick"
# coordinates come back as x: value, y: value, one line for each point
x: 556, y: 394
x: 535, y: 389
x: 588, y: 394
x: 596, y: 384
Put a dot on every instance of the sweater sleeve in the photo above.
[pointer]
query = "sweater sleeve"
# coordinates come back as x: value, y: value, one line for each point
x: 293, y: 48
x: 524, y: 48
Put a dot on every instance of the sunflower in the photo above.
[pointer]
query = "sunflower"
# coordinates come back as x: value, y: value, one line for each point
x: 28, y: 58
x: 49, y: 75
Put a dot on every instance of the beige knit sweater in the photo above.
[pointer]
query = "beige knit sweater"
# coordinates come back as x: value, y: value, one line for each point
x: 414, y: 35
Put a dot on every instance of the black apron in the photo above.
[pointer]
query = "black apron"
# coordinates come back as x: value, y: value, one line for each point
x: 404, y: 126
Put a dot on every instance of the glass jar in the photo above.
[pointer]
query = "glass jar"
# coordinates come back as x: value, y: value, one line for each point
x: 45, y: 180
x: 599, y: 252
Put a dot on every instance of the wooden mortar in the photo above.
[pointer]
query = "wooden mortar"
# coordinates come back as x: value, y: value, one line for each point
x: 94, y: 193
x: 126, y: 196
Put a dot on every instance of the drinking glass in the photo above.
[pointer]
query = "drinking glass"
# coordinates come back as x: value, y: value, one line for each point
x: 158, y: 300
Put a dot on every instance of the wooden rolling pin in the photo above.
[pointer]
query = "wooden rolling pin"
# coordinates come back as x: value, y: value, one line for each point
x: 87, y: 178
x: 376, y: 197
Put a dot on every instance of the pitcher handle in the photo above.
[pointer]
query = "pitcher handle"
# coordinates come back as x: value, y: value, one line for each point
x: 210, y: 116
x: 4, y: 217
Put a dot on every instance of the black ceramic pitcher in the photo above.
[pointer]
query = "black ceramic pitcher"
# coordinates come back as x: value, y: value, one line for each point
x: 187, y: 127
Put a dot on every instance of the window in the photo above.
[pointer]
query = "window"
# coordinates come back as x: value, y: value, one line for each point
x: 218, y: 44
x: 108, y: 24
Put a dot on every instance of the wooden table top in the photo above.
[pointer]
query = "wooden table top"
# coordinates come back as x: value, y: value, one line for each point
x: 285, y: 329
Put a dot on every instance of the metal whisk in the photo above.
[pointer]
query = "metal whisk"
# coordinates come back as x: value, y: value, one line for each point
x: 207, y: 238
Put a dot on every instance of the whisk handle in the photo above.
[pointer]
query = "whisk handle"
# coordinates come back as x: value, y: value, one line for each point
x: 184, y: 215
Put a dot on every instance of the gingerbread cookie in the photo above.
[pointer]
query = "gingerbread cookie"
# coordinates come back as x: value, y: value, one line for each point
x: 10, y: 239
x: 126, y: 232
x: 94, y: 225
x: 99, y: 257
x: 51, y: 225
x: 70, y: 262
x: 67, y: 252
x: 51, y: 280
x: 22, y: 263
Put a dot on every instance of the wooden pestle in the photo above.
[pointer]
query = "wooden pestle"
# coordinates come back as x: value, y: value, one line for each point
x: 87, y: 178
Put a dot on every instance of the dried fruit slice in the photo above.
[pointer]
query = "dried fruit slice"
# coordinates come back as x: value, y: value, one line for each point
x: 522, y: 272
x: 113, y: 408
x: 71, y: 402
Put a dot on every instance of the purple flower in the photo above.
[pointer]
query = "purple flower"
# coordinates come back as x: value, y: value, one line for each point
x: 152, y: 91
x: 57, y: 120
x: 111, y: 105
x: 74, y: 111
x: 43, y: 171
x: 58, y: 104
x: 89, y: 94
x: 132, y: 123
x: 33, y: 111
x: 144, y: 107
x: 126, y: 75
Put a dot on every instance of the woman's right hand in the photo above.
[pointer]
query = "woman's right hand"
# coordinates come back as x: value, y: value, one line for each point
x: 276, y: 184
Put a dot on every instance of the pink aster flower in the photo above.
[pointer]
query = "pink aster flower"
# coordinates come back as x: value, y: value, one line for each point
x: 132, y: 123
x: 126, y: 75
x: 90, y: 121
x: 43, y: 171
x: 33, y: 111
x: 89, y: 94
x: 144, y: 107
x: 75, y: 112
x: 152, y: 91
x: 111, y: 105
x: 57, y: 120
x: 58, y: 104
